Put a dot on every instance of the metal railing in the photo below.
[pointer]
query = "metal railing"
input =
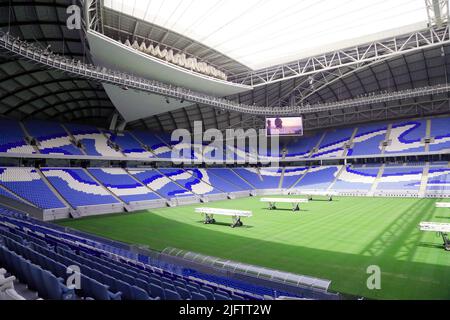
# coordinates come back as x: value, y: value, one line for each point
x: 77, y: 68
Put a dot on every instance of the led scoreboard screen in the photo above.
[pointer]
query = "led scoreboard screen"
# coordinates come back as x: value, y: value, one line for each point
x: 284, y: 126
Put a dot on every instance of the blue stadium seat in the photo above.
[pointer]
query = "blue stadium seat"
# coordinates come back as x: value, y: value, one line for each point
x: 101, y: 292
x: 185, y: 294
x: 139, y: 294
x: 172, y: 295
x: 208, y: 294
x: 156, y: 291
x: 125, y: 288
x: 218, y: 296
x: 197, y: 296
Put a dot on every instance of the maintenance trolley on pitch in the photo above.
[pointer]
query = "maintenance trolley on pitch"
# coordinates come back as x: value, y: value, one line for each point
x: 235, y: 214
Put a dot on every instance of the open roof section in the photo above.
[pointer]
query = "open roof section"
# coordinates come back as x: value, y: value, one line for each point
x: 262, y: 33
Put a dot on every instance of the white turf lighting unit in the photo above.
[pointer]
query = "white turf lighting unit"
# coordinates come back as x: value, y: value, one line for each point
x: 442, y: 204
x: 441, y: 228
x: 295, y: 202
x: 235, y: 214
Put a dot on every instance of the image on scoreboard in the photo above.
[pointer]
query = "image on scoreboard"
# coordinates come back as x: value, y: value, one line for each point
x: 284, y: 126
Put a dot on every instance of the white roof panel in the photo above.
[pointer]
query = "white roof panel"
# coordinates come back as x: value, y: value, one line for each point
x: 262, y: 33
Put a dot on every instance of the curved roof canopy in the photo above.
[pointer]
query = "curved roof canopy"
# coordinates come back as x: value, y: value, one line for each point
x: 262, y: 33
x: 30, y: 91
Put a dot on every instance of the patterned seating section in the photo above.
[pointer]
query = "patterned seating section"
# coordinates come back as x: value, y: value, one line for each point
x: 407, y: 137
x: 292, y: 175
x: 94, y: 142
x: 267, y: 179
x: 27, y: 184
x: 400, y: 179
x: 77, y: 187
x: 130, y: 146
x: 161, y: 184
x: 441, y: 133
x: 230, y: 176
x: 191, y: 180
x: 356, y: 178
x: 52, y: 137
x: 401, y: 137
x: 302, y: 147
x: 368, y: 140
x: 123, y: 185
x: 439, y: 179
x: 333, y: 144
x: 101, y: 186
x: 218, y: 178
x: 12, y: 138
x: 159, y: 148
x: 318, y: 178
x: 9, y: 194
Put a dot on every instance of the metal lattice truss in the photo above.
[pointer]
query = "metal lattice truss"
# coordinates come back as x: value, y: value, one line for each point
x: 318, y: 81
x: 437, y: 11
x: 369, y: 52
x: 79, y: 69
x: 93, y: 15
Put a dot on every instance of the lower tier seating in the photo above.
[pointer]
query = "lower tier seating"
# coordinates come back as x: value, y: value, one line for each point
x: 27, y: 184
x: 77, y: 187
x: 119, y: 182
x: 44, y: 257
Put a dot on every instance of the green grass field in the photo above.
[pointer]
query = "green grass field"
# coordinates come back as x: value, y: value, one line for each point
x: 333, y: 240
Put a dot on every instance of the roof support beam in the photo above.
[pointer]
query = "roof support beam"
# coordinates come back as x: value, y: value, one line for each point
x: 368, y: 52
x: 438, y: 12
x: 76, y: 68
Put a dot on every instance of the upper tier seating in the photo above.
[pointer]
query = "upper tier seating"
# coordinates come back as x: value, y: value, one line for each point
x: 210, y: 153
x: 52, y: 137
x: 167, y: 139
x: 318, y: 178
x: 333, y: 144
x: 302, y: 147
x: 291, y: 176
x: 190, y: 179
x: 440, y: 131
x: 397, y: 178
x: 269, y: 178
x: 439, y: 179
x: 12, y: 138
x: 161, y: 184
x: 368, y: 139
x: 159, y: 148
x: 119, y: 182
x: 407, y: 137
x: 77, y: 187
x: 129, y: 145
x: 356, y: 179
x: 27, y: 183
x: 95, y: 143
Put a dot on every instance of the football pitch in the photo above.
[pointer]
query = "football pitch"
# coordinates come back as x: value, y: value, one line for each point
x: 335, y: 240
